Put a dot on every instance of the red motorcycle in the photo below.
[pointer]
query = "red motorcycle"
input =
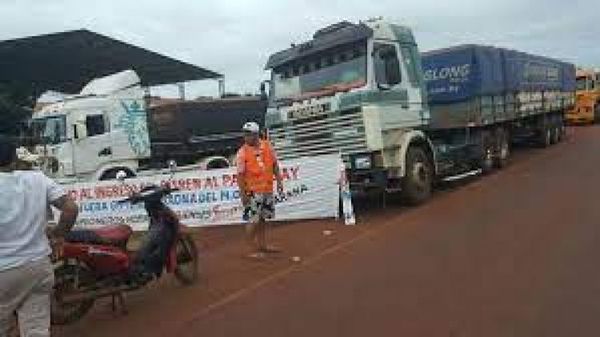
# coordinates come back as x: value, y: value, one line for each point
x: 96, y: 263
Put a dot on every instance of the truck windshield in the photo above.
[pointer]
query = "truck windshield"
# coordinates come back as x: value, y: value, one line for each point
x: 51, y: 130
x: 335, y: 70
x: 581, y: 83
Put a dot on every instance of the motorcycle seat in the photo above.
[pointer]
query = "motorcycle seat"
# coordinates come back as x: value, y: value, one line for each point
x: 114, y: 235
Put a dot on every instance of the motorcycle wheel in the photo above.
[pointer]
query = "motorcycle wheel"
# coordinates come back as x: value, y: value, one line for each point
x: 70, y: 279
x: 187, y: 260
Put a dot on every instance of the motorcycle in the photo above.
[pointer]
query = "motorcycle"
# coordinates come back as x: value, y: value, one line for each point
x: 95, y: 263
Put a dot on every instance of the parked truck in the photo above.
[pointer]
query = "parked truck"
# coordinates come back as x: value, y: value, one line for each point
x: 401, y: 119
x: 111, y: 126
x: 587, y: 101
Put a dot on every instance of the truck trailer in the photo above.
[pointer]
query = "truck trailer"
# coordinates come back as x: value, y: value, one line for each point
x: 587, y: 101
x: 111, y: 126
x: 403, y: 120
x: 206, y: 132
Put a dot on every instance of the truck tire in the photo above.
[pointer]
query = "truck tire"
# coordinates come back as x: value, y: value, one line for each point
x: 545, y: 136
x: 555, y: 133
x: 503, y: 148
x: 417, y: 181
x: 596, y: 113
x: 486, y: 160
x: 112, y: 174
x: 561, y: 128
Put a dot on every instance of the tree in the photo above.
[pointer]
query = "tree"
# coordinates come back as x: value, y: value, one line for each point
x: 15, y: 107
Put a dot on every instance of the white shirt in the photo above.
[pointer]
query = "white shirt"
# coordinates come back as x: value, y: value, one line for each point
x: 25, y: 198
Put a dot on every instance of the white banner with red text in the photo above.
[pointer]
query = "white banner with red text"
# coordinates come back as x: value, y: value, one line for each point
x: 205, y: 198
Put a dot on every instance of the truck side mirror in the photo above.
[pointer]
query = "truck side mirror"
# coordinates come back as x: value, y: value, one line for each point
x: 263, y: 90
x: 386, y: 66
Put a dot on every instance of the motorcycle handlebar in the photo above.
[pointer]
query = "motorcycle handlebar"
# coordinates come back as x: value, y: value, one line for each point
x: 136, y: 197
x: 122, y: 201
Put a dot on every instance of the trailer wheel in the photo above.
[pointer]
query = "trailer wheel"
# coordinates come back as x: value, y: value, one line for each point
x: 486, y: 161
x: 545, y: 137
x: 562, y: 129
x: 503, y: 148
x: 555, y: 134
x: 417, y: 181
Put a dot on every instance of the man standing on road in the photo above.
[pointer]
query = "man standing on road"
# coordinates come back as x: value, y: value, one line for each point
x: 26, y: 273
x: 257, y: 167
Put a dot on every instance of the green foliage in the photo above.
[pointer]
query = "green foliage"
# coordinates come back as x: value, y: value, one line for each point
x: 15, y: 107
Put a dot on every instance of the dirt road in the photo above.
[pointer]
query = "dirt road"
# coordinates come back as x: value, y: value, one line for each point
x: 512, y: 254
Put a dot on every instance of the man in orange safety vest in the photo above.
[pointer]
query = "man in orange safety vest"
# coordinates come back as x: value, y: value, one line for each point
x: 257, y: 168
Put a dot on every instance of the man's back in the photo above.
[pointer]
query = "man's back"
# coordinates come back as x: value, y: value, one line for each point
x: 25, y: 197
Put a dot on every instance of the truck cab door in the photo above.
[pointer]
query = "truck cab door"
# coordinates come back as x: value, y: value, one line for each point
x: 92, y: 145
x: 401, y: 101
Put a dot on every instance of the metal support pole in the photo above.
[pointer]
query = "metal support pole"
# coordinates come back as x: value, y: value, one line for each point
x: 221, y: 81
x: 181, y: 87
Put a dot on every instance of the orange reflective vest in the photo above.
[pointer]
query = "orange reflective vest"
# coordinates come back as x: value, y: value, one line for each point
x: 258, y: 172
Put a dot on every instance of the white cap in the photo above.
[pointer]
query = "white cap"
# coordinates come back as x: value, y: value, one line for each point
x: 251, y: 127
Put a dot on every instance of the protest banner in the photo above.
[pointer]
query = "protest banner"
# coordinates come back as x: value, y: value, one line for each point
x: 212, y: 197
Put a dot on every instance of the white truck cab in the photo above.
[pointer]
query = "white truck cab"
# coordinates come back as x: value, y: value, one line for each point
x: 95, y: 133
x: 356, y: 89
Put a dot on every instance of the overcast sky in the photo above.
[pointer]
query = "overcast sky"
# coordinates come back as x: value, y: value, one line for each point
x: 235, y: 37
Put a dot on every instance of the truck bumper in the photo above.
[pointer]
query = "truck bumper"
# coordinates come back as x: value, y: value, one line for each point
x: 578, y: 119
x: 365, y: 172
x: 581, y: 114
x: 362, y: 181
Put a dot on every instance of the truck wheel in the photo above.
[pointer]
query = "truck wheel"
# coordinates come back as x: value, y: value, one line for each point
x: 561, y: 128
x: 597, y: 113
x: 555, y: 131
x: 545, y: 137
x: 503, y: 150
x: 417, y: 181
x: 486, y: 161
x: 112, y: 174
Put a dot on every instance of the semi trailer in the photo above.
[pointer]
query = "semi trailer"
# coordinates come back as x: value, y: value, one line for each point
x: 403, y: 120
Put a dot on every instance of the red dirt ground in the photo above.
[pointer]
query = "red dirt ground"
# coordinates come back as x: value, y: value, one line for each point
x: 511, y: 254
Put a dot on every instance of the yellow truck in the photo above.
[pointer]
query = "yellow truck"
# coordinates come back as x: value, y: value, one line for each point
x: 587, y: 102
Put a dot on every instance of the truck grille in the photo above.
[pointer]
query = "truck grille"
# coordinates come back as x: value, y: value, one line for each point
x: 323, y: 134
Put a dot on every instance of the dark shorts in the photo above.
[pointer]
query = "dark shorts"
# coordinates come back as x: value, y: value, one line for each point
x: 261, y: 207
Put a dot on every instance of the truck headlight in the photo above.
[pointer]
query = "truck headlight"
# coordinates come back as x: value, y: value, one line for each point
x: 362, y: 162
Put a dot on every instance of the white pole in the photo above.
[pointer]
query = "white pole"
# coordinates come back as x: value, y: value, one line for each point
x: 221, y: 86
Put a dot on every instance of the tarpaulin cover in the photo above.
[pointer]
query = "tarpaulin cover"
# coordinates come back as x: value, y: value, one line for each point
x: 462, y: 72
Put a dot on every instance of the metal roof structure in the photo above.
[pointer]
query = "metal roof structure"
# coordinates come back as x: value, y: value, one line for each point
x: 67, y: 61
